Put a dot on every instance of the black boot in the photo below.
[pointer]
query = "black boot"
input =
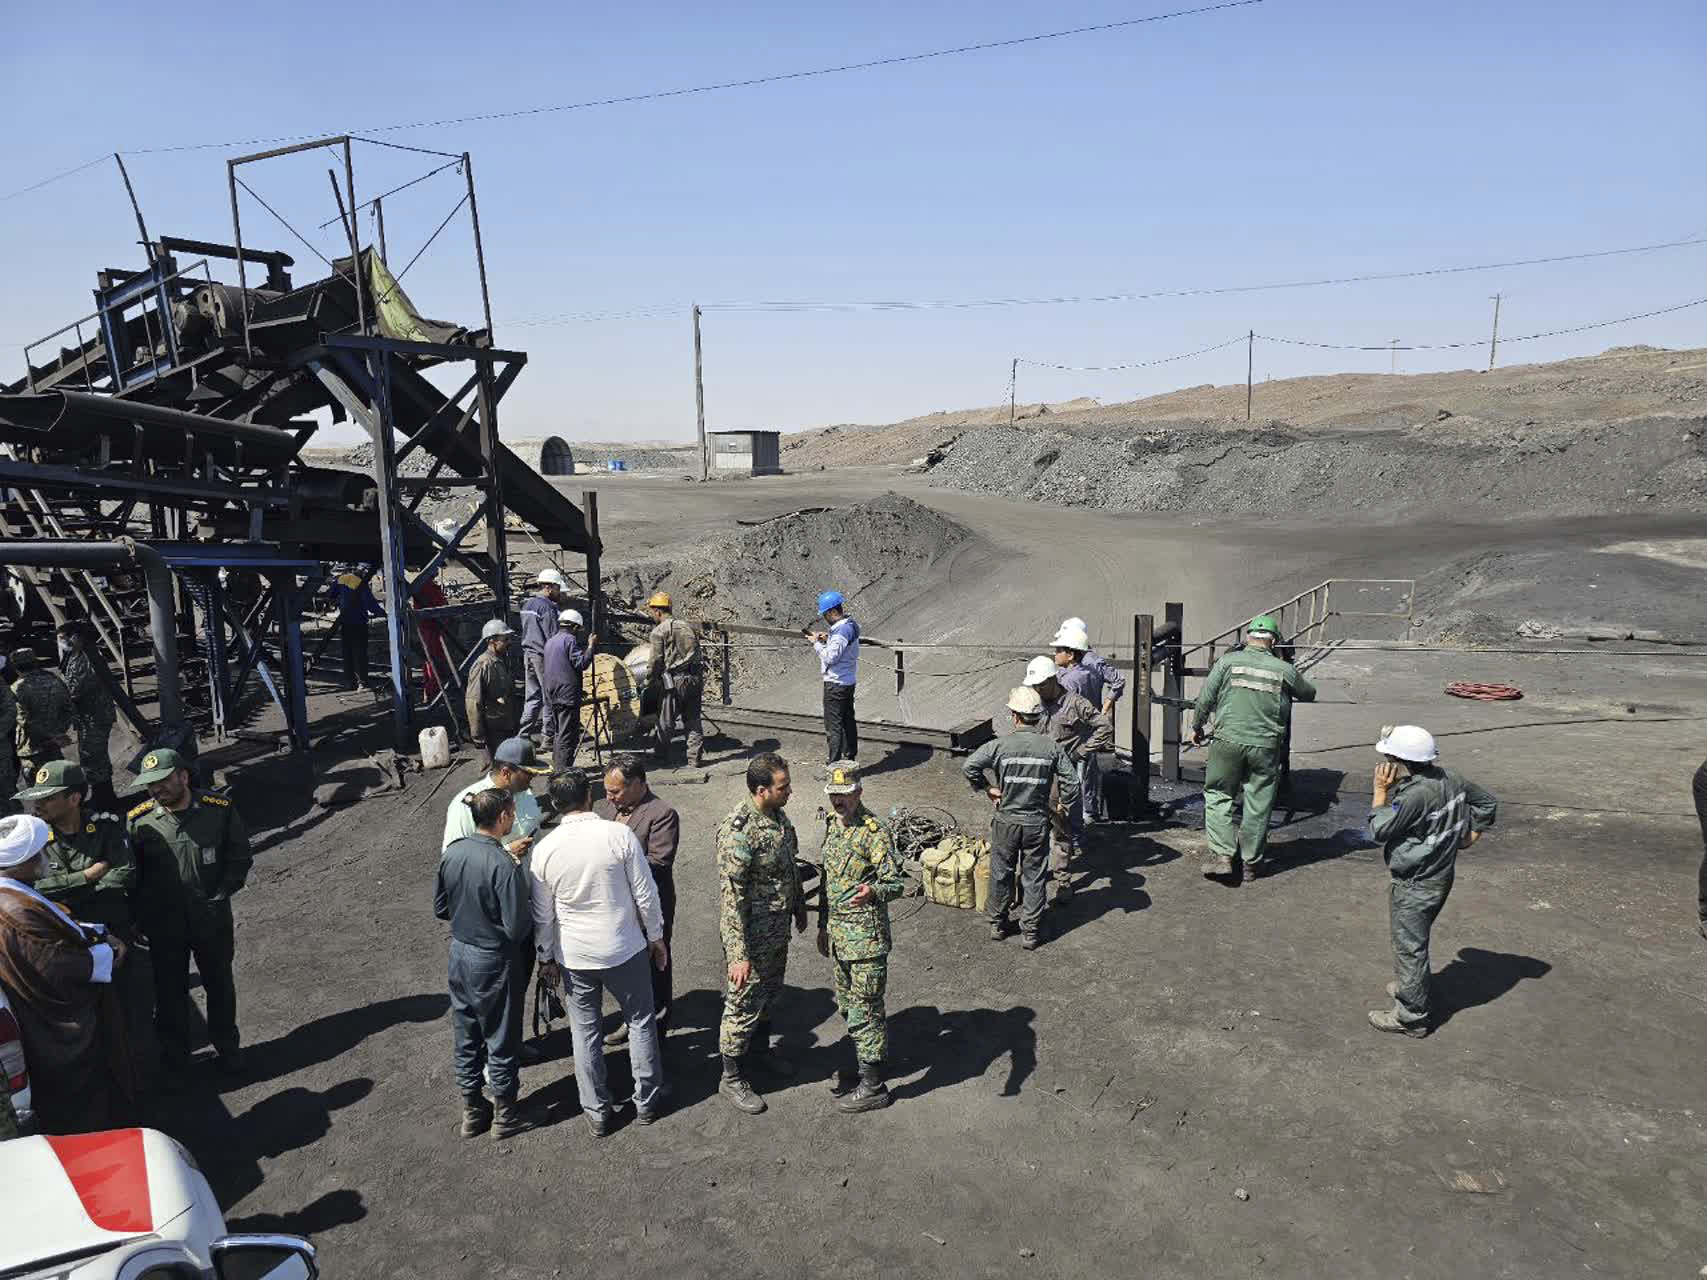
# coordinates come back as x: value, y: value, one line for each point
x: 509, y: 1119
x: 737, y: 1090
x: 871, y: 1094
x: 845, y: 1079
x: 760, y: 1054
x: 476, y: 1115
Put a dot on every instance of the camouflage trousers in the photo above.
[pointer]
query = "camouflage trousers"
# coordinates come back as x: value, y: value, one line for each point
x: 745, y: 1009
x: 860, y: 985
x: 93, y: 733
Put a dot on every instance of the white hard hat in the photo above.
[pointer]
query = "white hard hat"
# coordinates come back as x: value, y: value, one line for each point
x: 1025, y: 701
x: 551, y: 576
x: 1409, y: 742
x: 1070, y: 637
x: 571, y: 616
x: 496, y: 627
x: 1075, y: 624
x: 1038, y: 670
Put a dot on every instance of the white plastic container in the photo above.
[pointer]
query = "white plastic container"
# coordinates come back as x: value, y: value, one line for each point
x: 435, y: 747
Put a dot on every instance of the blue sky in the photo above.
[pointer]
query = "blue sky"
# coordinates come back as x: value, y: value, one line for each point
x: 1291, y: 139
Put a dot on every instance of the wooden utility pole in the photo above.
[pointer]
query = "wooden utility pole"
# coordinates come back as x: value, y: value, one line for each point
x: 1250, y: 369
x: 1494, y: 342
x: 1013, y: 388
x: 1395, y: 346
x: 699, y: 397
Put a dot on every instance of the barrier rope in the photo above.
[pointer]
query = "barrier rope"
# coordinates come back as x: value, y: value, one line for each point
x: 1484, y: 692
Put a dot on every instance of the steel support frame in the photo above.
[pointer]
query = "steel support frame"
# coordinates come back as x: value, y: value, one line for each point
x: 358, y: 371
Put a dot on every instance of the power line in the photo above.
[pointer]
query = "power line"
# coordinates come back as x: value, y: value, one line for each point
x: 1142, y: 364
x: 1477, y: 342
x: 572, y: 317
x: 656, y: 95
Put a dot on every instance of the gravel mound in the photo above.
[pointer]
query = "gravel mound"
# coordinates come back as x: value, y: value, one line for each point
x: 1444, y: 468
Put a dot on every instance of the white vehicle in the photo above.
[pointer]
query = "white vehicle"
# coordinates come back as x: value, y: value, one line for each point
x: 13, y: 1066
x: 126, y: 1204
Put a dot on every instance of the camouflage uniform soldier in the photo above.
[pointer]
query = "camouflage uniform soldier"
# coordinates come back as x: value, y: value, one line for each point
x: 9, y: 750
x: 861, y: 877
x: 93, y: 712
x: 760, y: 894
x: 44, y: 713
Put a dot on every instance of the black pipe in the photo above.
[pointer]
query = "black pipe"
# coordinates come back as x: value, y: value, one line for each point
x: 56, y: 414
x: 111, y: 555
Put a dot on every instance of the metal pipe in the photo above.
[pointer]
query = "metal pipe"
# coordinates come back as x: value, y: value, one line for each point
x: 50, y: 411
x: 107, y: 555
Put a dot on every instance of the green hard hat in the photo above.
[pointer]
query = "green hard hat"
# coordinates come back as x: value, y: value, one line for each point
x: 52, y: 777
x: 1262, y: 622
x: 160, y: 764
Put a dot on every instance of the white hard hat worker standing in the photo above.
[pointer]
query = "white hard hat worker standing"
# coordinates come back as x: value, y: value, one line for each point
x: 1423, y: 815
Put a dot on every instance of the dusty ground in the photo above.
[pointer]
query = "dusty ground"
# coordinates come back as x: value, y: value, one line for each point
x: 1091, y: 1108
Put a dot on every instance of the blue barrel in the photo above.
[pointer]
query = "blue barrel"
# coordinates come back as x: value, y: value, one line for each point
x: 616, y: 464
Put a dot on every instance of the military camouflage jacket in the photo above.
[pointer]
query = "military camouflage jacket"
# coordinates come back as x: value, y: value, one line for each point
x: 101, y: 838
x: 44, y: 710
x: 758, y: 882
x: 90, y: 697
x: 861, y: 854
x: 8, y: 720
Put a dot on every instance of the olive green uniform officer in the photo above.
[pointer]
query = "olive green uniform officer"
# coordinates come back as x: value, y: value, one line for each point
x: 1249, y: 692
x: 79, y: 843
x: 192, y: 854
x: 861, y: 877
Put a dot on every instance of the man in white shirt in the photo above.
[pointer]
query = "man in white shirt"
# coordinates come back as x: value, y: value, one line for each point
x: 598, y: 925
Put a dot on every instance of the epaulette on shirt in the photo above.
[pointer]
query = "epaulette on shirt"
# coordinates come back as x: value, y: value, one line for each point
x: 147, y: 806
x: 208, y: 797
x: 871, y: 824
x: 105, y: 817
x: 738, y: 821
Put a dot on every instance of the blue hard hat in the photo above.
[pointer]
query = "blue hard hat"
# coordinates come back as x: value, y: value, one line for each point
x: 830, y: 600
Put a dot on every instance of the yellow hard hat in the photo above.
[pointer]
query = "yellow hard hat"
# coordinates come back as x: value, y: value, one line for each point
x: 659, y: 600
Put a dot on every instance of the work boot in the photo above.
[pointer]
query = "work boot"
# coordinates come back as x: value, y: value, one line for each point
x: 1218, y: 869
x: 734, y: 1086
x: 998, y: 929
x: 619, y: 1036
x: 476, y: 1115
x: 509, y: 1119
x: 598, y: 1123
x: 844, y: 1080
x: 529, y: 1054
x: 1029, y: 940
x: 1387, y: 1020
x: 763, y: 1055
x: 871, y: 1095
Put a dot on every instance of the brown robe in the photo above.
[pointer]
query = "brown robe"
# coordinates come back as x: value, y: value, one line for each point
x: 72, y: 1028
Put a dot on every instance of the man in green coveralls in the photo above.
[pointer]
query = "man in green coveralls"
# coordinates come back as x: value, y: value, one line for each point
x: 1249, y: 692
x: 759, y: 895
x: 192, y: 854
x: 861, y: 877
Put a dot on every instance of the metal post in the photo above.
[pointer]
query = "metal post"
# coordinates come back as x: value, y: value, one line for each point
x: 1494, y: 342
x: 1143, y: 640
x: 497, y: 543
x: 379, y: 227
x: 699, y: 397
x: 728, y: 670
x: 1013, y: 390
x: 900, y: 667
x: 296, y: 678
x: 213, y: 622
x: 391, y: 542
x: 1250, y: 369
x: 479, y: 246
x: 595, y: 579
x: 237, y: 244
x: 135, y: 208
x: 356, y: 248
x: 1173, y: 690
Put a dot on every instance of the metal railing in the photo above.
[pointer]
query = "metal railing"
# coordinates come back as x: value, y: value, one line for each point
x: 1306, y: 619
x: 161, y: 298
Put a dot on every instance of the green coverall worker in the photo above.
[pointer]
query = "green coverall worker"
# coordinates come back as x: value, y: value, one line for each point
x: 1249, y: 693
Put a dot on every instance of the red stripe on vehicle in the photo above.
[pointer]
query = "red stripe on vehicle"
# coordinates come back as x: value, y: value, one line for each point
x: 109, y: 1172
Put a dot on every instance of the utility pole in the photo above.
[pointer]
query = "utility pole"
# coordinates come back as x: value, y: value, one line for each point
x: 1494, y: 342
x: 1395, y: 344
x: 1250, y: 369
x: 699, y: 397
x: 1013, y: 389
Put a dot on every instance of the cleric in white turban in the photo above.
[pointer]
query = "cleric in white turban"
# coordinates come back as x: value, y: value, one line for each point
x: 58, y: 975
